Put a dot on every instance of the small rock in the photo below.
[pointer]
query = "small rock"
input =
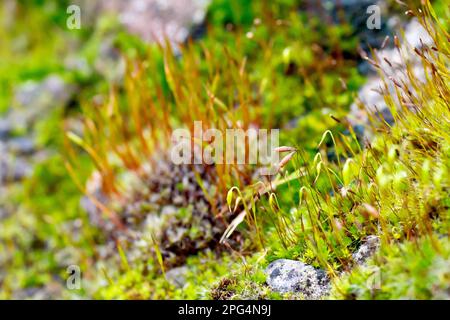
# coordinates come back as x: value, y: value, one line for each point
x: 355, y: 13
x: 385, y: 114
x: 13, y: 169
x: 5, y: 129
x: 169, y: 210
x: 286, y: 276
x: 67, y: 256
x: 3, y: 214
x: 177, y: 276
x: 34, y: 99
x: 48, y: 292
x: 109, y: 63
x: 21, y: 145
x: 78, y: 65
x: 415, y: 34
x: 94, y: 213
x: 366, y: 250
x: 152, y: 20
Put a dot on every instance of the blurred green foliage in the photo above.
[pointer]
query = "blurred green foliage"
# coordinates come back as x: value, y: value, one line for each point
x: 300, y: 74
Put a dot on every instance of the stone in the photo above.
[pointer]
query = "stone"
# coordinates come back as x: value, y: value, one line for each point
x: 34, y: 99
x: 370, y: 100
x: 21, y: 145
x: 50, y: 291
x: 177, y: 276
x: 13, y: 169
x: 109, y: 63
x: 369, y: 247
x: 67, y: 256
x: 79, y: 65
x: 152, y: 20
x: 3, y: 215
x: 355, y: 13
x: 290, y: 276
x: 415, y: 34
x: 5, y: 129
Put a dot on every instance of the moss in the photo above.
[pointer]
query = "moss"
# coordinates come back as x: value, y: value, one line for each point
x: 264, y: 64
x: 411, y: 270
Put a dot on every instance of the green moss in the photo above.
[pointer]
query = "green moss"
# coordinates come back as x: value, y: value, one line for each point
x: 411, y: 270
x: 271, y: 66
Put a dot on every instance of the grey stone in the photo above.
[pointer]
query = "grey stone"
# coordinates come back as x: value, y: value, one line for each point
x: 369, y: 247
x: 3, y: 214
x: 152, y: 20
x: 47, y: 292
x: 5, y: 129
x: 289, y: 276
x: 393, y: 62
x: 177, y: 276
x: 13, y: 169
x: 355, y: 13
x: 109, y: 63
x: 33, y: 99
x: 169, y: 210
x: 95, y: 214
x: 21, y: 145
x: 53, y: 89
x: 67, y: 256
x: 385, y: 115
x: 415, y: 34
x: 78, y: 65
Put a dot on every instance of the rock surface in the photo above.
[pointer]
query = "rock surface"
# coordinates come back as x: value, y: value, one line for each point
x: 13, y: 169
x: 177, y: 276
x: 393, y: 62
x: 356, y: 13
x: 152, y: 20
x: 34, y: 99
x: 170, y: 205
x: 369, y: 247
x: 289, y: 276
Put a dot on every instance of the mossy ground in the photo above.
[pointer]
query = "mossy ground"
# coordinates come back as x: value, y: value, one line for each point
x: 261, y: 63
